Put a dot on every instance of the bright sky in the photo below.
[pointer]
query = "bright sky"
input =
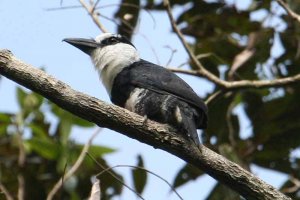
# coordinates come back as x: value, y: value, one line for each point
x: 35, y: 36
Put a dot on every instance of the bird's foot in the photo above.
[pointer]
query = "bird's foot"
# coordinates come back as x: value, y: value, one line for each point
x: 199, y: 146
x: 145, y: 119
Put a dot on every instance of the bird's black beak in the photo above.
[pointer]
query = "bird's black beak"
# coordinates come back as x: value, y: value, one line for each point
x: 85, y: 45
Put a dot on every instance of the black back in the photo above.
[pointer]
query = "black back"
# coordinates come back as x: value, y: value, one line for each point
x: 147, y: 75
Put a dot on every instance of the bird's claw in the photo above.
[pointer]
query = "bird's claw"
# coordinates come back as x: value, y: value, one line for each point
x: 145, y: 119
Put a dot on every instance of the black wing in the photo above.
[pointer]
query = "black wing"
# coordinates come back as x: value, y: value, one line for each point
x: 153, y: 77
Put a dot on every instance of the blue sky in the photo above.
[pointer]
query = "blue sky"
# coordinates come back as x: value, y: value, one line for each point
x: 35, y: 36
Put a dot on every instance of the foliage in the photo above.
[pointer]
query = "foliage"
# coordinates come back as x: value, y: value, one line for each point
x: 49, y: 152
x: 139, y: 176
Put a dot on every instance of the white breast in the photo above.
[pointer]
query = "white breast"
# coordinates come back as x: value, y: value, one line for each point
x: 111, y: 60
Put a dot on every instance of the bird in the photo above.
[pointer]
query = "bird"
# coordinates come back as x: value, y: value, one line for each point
x: 143, y: 87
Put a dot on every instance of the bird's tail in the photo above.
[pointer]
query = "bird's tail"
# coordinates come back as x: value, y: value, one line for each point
x: 189, y: 126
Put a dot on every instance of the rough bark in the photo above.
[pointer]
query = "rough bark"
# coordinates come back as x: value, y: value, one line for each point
x: 132, y: 125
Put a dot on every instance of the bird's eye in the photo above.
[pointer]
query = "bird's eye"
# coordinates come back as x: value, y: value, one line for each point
x: 110, y: 41
x: 113, y: 40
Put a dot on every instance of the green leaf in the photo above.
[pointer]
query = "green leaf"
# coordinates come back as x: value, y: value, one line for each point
x: 109, y: 186
x: 28, y: 102
x: 5, y: 121
x: 98, y: 151
x: 65, y: 127
x: 187, y: 173
x: 38, y: 100
x: 3, y: 129
x: 38, y: 130
x: 32, y: 101
x: 44, y: 147
x: 139, y: 176
x: 21, y: 94
x: 218, y: 126
x: 5, y: 118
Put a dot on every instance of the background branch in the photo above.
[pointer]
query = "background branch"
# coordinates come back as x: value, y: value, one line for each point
x: 144, y: 169
x: 91, y: 11
x: 132, y: 125
x: 6, y: 193
x: 21, y: 162
x: 74, y: 168
x: 112, y: 174
x: 226, y: 85
x: 289, y: 11
x: 243, y: 84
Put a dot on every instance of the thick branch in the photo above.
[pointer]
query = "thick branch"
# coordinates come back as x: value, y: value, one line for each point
x: 132, y: 125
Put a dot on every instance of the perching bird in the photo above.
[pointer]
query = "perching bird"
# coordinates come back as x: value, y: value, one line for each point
x: 143, y: 87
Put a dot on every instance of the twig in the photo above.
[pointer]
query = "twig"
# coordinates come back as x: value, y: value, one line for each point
x: 94, y: 16
x: 21, y: 161
x: 289, y: 11
x: 22, y: 154
x: 74, y: 168
x: 214, y: 96
x: 6, y: 193
x: 21, y: 187
x: 199, y: 57
x: 106, y: 6
x: 144, y: 169
x: 243, y: 84
x: 95, y: 191
x: 94, y: 6
x: 62, y: 8
x: 173, y: 51
x: 241, y: 58
x: 133, y: 6
x: 230, y: 125
x: 113, y: 175
x: 184, y: 71
x: 151, y: 47
x: 294, y: 188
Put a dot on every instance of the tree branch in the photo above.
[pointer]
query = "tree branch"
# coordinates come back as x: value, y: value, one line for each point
x: 21, y: 162
x: 74, y: 168
x: 5, y: 192
x: 104, y: 169
x: 225, y: 85
x: 289, y: 11
x: 201, y: 70
x: 91, y: 11
x: 132, y: 125
x: 244, y: 84
x: 146, y: 170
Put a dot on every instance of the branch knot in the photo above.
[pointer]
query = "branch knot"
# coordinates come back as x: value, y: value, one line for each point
x: 5, y: 56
